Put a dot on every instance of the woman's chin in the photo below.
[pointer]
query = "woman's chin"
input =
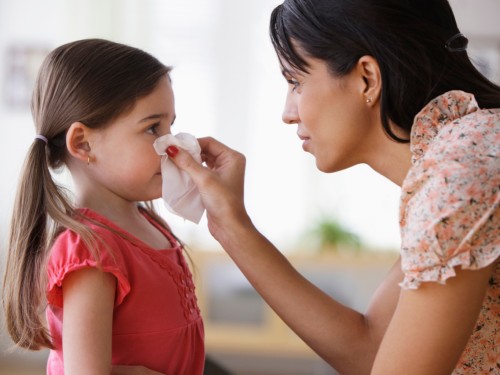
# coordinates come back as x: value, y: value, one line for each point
x: 325, y: 168
x: 330, y: 167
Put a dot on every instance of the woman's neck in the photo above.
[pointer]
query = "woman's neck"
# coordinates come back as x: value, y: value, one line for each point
x: 390, y: 158
x: 394, y: 163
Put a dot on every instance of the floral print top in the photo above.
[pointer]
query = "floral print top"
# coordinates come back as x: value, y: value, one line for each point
x: 449, y: 213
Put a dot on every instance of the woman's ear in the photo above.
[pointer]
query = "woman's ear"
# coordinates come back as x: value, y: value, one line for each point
x: 77, y: 141
x: 369, y: 69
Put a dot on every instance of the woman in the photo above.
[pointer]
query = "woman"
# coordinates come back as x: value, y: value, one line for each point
x: 389, y: 84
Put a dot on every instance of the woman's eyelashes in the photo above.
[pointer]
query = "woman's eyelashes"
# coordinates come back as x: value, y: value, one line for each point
x: 294, y: 83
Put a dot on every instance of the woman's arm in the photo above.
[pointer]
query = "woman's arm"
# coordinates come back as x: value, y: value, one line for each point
x: 425, y: 334
x: 347, y: 339
x: 89, y: 296
x: 431, y: 325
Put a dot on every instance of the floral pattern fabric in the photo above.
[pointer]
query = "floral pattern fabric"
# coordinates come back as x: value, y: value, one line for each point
x: 449, y: 213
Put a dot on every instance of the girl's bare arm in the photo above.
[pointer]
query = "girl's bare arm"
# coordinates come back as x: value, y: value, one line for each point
x: 89, y: 296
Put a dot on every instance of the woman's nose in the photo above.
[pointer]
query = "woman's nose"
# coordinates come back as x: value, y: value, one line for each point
x: 290, y: 115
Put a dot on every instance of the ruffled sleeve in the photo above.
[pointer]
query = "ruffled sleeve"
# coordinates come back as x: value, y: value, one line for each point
x: 70, y: 253
x: 450, y: 204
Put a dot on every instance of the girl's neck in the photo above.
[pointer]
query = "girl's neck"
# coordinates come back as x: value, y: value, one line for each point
x: 127, y: 216
x: 114, y: 208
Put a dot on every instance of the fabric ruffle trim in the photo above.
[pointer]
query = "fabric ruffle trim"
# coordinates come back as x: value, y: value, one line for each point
x: 54, y: 289
x: 440, y: 273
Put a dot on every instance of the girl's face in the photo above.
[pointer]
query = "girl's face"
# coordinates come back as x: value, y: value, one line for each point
x: 123, y: 160
x: 331, y: 114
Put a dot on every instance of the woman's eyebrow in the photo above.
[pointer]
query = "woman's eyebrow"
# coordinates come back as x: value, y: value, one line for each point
x: 285, y: 72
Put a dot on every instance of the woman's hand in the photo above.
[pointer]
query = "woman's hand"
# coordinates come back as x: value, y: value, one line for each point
x: 221, y: 183
x: 133, y: 370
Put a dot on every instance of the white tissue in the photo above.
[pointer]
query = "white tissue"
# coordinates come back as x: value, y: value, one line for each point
x: 180, y: 194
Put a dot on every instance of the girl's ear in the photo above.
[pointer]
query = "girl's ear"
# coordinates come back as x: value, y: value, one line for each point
x: 369, y: 69
x: 77, y: 141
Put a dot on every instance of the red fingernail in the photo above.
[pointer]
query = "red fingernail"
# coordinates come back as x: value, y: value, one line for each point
x: 172, y: 151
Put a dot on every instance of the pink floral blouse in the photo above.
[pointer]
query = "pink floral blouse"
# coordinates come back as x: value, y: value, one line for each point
x: 449, y: 213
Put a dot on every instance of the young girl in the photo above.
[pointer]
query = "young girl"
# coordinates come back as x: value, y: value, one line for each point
x: 106, y: 269
x: 387, y: 83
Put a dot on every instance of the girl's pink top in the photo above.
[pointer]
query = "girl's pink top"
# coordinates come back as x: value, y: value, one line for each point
x: 449, y: 212
x: 156, y: 320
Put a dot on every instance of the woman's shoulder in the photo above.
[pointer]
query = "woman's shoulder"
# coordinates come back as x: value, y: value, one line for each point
x: 450, y: 197
x: 455, y: 153
x: 452, y: 127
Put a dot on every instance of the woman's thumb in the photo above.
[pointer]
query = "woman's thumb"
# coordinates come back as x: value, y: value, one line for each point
x: 183, y: 160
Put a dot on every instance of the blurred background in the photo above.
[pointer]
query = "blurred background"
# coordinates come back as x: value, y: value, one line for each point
x: 340, y: 230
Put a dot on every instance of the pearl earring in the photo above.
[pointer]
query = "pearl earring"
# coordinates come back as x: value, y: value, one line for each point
x: 368, y: 100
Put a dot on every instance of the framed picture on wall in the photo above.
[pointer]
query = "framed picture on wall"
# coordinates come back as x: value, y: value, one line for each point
x: 21, y: 64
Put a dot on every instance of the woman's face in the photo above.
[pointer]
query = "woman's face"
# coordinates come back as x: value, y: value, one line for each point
x: 332, y: 115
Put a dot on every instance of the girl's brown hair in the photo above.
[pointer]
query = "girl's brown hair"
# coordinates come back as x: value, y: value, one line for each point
x: 90, y: 81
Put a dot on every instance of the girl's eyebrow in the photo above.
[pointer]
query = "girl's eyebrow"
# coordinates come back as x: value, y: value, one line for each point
x: 156, y: 116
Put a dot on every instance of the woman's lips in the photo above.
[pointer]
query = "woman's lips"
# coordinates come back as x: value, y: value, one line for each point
x: 305, y: 141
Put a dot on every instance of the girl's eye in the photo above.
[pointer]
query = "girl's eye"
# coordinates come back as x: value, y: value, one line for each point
x: 153, y: 129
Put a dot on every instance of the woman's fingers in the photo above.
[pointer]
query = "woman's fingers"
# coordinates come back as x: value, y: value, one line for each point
x: 220, y: 185
x: 220, y: 157
x: 185, y: 161
x: 226, y: 168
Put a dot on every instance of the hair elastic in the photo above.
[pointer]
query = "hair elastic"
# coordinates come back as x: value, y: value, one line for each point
x: 462, y: 48
x: 42, y: 138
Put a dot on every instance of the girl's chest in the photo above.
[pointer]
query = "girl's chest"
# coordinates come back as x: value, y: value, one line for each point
x: 162, y: 289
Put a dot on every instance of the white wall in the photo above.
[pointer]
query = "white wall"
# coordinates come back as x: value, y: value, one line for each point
x: 227, y: 84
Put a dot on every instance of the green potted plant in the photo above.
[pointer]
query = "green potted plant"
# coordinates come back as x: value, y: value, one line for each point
x: 331, y: 236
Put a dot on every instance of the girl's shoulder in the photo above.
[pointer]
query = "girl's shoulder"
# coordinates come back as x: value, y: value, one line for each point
x: 102, y: 234
x: 71, y: 252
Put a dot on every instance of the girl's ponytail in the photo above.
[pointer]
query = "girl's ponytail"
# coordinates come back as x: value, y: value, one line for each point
x: 27, y: 247
x: 41, y: 208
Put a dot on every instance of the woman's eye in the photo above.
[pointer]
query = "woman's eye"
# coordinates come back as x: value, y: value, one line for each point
x: 153, y: 129
x: 293, y: 83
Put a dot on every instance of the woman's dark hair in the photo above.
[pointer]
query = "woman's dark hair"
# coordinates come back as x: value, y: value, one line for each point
x: 406, y: 37
x: 92, y: 81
